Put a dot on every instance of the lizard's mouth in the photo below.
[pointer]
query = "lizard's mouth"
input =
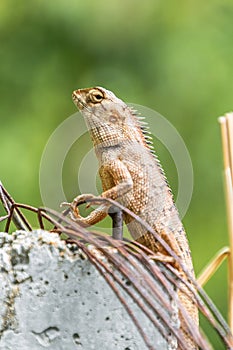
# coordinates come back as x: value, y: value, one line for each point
x: 78, y: 101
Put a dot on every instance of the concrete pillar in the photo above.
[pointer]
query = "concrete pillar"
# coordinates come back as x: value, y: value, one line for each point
x: 52, y: 297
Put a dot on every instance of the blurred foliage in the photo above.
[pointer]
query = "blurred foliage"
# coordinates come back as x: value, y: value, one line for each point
x: 174, y: 57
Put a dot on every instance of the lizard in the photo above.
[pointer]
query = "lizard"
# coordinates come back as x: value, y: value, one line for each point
x: 131, y: 173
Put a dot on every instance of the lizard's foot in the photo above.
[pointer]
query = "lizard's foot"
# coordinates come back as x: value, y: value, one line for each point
x: 94, y: 217
x: 83, y: 198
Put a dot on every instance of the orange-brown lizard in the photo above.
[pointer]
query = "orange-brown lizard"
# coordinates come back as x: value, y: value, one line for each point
x: 132, y: 175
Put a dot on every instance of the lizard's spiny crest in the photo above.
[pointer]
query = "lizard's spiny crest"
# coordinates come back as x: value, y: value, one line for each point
x: 145, y: 129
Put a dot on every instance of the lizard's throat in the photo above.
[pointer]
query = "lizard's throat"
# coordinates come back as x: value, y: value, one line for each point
x: 103, y: 142
x: 105, y: 136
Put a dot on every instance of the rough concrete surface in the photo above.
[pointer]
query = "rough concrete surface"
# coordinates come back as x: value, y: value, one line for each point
x: 52, y: 297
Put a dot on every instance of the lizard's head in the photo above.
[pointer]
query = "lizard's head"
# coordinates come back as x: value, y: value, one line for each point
x: 107, y: 117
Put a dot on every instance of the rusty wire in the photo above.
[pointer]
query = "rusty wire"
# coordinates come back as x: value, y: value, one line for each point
x: 143, y: 294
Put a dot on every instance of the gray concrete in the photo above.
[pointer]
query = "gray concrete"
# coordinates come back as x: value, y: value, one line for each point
x: 51, y: 297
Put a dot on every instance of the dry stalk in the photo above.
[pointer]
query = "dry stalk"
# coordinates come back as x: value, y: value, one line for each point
x: 226, y: 124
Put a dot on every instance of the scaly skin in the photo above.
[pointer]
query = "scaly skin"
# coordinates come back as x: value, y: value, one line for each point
x: 132, y: 175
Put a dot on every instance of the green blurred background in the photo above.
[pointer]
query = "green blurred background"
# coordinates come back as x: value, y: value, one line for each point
x: 175, y: 57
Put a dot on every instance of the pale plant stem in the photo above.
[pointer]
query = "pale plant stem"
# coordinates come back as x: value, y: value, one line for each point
x: 212, y: 266
x: 229, y: 120
x: 227, y: 145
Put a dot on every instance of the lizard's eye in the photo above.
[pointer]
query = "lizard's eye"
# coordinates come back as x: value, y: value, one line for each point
x: 96, y: 96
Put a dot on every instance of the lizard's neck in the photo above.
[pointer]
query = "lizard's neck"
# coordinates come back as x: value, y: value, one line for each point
x: 129, y: 130
x: 126, y: 138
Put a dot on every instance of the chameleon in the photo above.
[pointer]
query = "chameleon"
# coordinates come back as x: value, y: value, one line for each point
x: 131, y: 173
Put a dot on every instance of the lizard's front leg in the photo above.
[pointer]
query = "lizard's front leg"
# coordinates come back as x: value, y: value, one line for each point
x: 119, y: 182
x: 116, y: 179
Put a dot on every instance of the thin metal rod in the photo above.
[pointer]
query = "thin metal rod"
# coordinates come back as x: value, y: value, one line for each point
x: 117, y: 222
